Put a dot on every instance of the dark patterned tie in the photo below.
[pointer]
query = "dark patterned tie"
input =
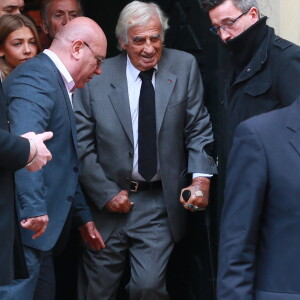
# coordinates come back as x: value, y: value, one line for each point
x: 147, y: 162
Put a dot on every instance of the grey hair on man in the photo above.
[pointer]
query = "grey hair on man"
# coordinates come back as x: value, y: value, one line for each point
x: 243, y: 5
x: 138, y: 13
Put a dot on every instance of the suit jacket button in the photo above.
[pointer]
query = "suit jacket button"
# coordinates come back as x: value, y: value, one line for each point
x: 75, y: 169
x: 70, y: 199
x: 130, y: 154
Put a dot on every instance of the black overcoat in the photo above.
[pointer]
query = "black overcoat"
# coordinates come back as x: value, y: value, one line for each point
x: 14, y: 152
x: 270, y: 80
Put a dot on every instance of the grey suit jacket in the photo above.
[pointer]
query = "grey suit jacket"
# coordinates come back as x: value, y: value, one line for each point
x: 38, y: 102
x: 260, y: 227
x: 105, y: 135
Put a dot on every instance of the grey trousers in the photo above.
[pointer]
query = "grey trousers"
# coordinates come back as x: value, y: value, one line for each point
x: 145, y: 233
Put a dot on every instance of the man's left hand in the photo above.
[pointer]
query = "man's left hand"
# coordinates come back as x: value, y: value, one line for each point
x: 91, y: 236
x: 199, y: 190
x: 37, y: 224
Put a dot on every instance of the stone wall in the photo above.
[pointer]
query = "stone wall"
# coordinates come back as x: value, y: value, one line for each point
x: 283, y: 16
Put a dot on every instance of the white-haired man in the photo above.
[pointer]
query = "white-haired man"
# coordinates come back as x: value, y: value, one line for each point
x: 135, y: 159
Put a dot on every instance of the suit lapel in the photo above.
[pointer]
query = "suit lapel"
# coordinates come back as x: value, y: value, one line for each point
x: 3, y: 113
x: 66, y: 97
x: 119, y: 97
x: 164, y: 85
x: 68, y: 105
x: 293, y: 124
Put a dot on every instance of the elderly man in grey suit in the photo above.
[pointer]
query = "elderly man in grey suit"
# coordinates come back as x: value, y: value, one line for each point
x: 135, y: 159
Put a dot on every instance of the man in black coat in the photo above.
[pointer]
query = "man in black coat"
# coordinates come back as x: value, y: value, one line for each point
x: 15, y: 153
x: 261, y: 74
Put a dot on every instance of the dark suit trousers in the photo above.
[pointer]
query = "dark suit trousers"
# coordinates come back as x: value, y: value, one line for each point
x: 41, y: 282
x: 145, y: 233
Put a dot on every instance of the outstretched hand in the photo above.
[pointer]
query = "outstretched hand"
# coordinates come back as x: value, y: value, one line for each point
x: 39, y: 154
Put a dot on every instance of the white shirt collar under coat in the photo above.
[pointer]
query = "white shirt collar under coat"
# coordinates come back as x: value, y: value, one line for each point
x: 133, y: 72
x: 66, y: 76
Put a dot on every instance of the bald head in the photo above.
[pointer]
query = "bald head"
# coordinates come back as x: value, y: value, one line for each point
x: 81, y: 28
x: 81, y: 45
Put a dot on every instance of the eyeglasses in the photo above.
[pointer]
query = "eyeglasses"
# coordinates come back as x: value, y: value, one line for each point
x: 100, y: 60
x: 228, y: 25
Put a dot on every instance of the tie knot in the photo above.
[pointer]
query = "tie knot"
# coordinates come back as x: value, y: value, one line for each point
x: 146, y: 75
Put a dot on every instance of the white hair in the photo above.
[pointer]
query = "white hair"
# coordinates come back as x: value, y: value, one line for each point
x: 138, y: 13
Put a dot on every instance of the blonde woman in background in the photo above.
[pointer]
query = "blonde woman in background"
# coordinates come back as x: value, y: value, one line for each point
x: 19, y: 41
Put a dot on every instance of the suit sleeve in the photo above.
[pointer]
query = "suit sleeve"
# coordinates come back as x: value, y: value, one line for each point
x: 82, y: 213
x: 14, y: 151
x: 30, y: 108
x: 198, y: 129
x: 288, y: 82
x: 103, y: 189
x: 240, y: 222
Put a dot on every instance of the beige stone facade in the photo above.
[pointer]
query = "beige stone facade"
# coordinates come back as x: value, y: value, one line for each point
x: 284, y: 16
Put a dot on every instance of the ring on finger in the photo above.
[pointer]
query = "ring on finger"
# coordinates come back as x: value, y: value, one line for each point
x: 189, y: 205
x: 197, y: 208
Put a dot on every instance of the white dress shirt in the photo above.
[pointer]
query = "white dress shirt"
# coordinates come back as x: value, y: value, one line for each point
x: 66, y: 76
x: 134, y: 83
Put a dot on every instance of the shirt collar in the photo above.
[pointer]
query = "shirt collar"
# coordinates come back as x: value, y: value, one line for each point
x: 66, y: 76
x: 133, y: 72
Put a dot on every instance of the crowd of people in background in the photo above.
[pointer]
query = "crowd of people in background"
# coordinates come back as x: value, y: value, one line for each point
x: 128, y: 156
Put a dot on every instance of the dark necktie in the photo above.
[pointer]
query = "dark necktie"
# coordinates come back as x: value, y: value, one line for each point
x: 147, y: 162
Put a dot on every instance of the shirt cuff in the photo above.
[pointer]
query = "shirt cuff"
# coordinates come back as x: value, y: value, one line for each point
x: 201, y: 175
